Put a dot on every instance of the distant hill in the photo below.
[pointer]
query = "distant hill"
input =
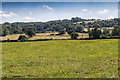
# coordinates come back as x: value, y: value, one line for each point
x: 56, y: 25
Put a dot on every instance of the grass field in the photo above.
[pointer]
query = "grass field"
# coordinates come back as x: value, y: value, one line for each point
x: 61, y: 59
x: 48, y: 36
x: 86, y: 22
x: 44, y: 36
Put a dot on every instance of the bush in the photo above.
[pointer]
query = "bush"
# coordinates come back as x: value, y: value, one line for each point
x: 5, y: 31
x: 74, y: 35
x: 116, y: 31
x: 22, y: 38
x: 52, y: 34
x: 70, y: 31
x: 106, y: 31
x: 96, y: 32
x: 61, y: 32
x: 29, y: 31
x: 103, y: 36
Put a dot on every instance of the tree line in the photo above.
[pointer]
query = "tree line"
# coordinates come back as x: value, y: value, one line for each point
x: 70, y: 26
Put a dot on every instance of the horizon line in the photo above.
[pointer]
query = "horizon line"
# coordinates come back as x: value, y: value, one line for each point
x: 54, y: 20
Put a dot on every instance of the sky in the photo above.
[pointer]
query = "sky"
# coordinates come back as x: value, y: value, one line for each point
x: 46, y: 11
x: 60, y: 0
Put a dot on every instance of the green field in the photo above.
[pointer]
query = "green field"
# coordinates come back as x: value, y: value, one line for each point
x: 44, y: 36
x: 61, y: 59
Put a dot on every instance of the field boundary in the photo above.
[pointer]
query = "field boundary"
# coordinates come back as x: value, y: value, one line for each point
x: 57, y: 39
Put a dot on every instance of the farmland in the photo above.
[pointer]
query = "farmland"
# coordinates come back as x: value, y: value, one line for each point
x: 44, y: 36
x: 49, y: 36
x: 61, y: 59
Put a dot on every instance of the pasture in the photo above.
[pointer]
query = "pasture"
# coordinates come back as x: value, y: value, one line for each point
x: 61, y: 59
x: 45, y: 36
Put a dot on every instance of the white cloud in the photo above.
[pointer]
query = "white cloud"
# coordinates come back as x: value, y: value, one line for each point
x: 1, y: 12
x: 5, y: 14
x: 105, y: 11
x: 84, y: 10
x: 30, y: 13
x: 93, y: 18
x: 110, y: 17
x: 28, y: 18
x: 46, y: 6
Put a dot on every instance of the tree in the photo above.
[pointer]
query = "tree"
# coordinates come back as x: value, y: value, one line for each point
x: 74, y: 35
x: 79, y: 28
x: 89, y: 32
x: 70, y: 31
x: 5, y: 32
x: 62, y: 31
x: 29, y: 31
x: 106, y: 31
x: 96, y: 32
x: 116, y: 31
x: 22, y: 38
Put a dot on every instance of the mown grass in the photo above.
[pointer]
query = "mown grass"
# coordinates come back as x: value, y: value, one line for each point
x: 61, y: 59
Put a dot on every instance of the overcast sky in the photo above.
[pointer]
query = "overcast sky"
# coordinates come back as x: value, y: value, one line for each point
x: 46, y: 11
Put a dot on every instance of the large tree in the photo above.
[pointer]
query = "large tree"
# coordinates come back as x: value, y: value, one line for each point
x: 29, y: 31
x: 116, y: 31
x: 5, y: 31
x: 79, y: 28
x: 61, y: 31
x: 96, y: 32
x: 106, y: 31
x: 74, y: 35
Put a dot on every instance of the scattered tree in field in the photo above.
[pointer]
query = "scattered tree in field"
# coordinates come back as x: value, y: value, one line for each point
x: 29, y: 31
x: 5, y: 31
x: 116, y: 31
x: 22, y: 38
x: 89, y: 32
x: 79, y: 28
x: 62, y: 31
x: 56, y: 25
x: 74, y: 35
x: 96, y: 32
x: 70, y: 31
x: 106, y: 31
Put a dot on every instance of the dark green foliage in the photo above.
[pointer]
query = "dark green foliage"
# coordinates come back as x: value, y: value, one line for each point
x: 103, y: 36
x: 62, y: 31
x: 106, y: 31
x: 70, y: 31
x: 29, y: 31
x: 96, y: 26
x: 74, y: 35
x: 76, y: 19
x: 116, y: 31
x: 8, y: 40
x: 96, y: 32
x: 79, y: 28
x: 89, y: 32
x: 56, y: 25
x: 5, y: 31
x: 22, y: 38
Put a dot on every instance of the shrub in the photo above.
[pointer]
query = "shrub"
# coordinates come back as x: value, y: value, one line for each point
x: 70, y: 31
x: 106, y: 31
x: 29, y: 31
x: 22, y: 38
x: 61, y: 32
x: 103, y: 36
x: 74, y: 35
x: 52, y: 34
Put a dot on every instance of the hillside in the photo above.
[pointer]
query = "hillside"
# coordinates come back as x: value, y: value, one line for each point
x: 56, y: 25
